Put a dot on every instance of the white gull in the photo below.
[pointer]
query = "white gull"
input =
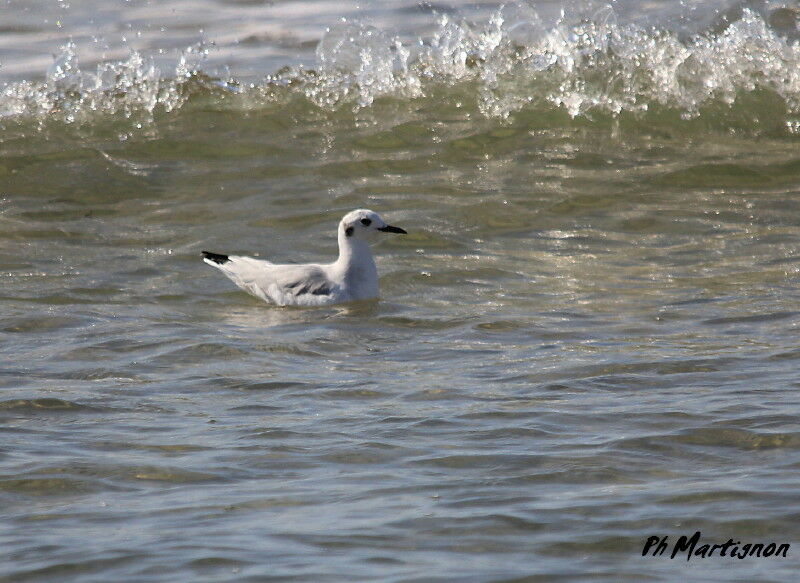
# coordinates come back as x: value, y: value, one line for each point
x: 352, y: 277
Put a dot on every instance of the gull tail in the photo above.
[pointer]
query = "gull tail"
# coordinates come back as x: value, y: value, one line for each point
x: 215, y: 259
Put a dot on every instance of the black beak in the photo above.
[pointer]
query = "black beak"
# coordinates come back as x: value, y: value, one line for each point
x: 391, y: 229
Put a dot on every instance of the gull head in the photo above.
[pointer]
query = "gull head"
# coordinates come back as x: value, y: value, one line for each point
x: 365, y: 225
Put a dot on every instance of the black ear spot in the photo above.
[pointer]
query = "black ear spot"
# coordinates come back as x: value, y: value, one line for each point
x: 348, y: 231
x: 366, y: 222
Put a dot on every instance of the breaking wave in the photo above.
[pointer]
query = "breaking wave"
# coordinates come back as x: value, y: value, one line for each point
x: 583, y: 66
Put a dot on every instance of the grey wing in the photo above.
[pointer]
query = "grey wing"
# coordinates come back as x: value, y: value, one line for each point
x: 301, y: 285
x: 282, y: 284
x: 316, y: 284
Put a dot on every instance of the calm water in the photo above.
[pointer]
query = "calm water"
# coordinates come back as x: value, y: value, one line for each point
x: 588, y: 337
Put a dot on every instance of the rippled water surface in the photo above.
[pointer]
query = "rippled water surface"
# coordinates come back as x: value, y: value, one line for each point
x: 589, y: 335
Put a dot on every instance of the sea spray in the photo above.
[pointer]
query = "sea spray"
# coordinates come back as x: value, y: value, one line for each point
x: 586, y: 65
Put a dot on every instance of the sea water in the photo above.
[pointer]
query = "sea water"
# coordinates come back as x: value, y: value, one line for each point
x: 587, y: 338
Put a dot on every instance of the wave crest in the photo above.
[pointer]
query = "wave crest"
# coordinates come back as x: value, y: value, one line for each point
x: 596, y: 64
x: 134, y: 87
x: 516, y: 61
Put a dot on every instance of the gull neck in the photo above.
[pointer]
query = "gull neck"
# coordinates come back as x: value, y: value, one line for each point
x: 354, y: 254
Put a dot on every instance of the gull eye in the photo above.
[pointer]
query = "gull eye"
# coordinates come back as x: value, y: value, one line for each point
x: 366, y: 222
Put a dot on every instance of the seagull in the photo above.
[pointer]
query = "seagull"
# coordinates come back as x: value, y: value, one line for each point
x: 352, y: 277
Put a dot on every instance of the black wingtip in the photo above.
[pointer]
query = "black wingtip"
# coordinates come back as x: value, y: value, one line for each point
x: 215, y: 257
